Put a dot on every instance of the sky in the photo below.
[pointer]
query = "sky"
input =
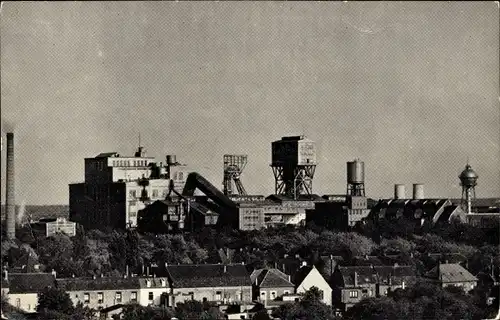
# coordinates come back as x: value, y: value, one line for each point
x: 410, y: 88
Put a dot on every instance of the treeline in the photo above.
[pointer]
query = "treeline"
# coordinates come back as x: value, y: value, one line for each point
x: 111, y: 253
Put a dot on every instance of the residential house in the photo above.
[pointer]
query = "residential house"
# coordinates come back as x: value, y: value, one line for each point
x: 101, y: 292
x: 220, y: 283
x: 307, y: 277
x: 452, y: 274
x: 25, y: 287
x: 351, y: 284
x: 151, y: 290
x: 270, y: 284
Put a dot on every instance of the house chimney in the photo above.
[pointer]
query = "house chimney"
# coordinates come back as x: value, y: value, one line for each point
x: 126, y: 271
x: 54, y: 273
x: 10, y: 200
x: 355, y: 279
x: 225, y: 268
x: 289, y: 278
x: 304, y: 263
x: 147, y: 271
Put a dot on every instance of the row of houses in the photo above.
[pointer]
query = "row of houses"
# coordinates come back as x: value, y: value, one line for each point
x: 226, y: 285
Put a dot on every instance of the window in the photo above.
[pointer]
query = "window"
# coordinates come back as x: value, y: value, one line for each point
x: 100, y: 297
x: 18, y: 302
x: 133, y: 296
x: 155, y: 193
x: 262, y: 295
x: 218, y: 295
x: 286, y: 292
x: 132, y: 194
x: 353, y: 294
x: 86, y: 297
x: 273, y: 295
x: 181, y: 176
x: 29, y: 307
x: 151, y: 296
x: 118, y: 297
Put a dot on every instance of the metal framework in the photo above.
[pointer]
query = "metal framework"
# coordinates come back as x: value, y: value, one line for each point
x: 293, y: 180
x: 356, y: 189
x: 233, y: 167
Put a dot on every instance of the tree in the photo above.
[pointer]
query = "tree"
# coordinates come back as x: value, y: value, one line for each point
x: 54, y: 299
x: 309, y: 307
x: 138, y: 312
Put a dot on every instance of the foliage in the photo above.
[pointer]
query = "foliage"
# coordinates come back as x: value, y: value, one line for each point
x: 424, y: 300
x: 138, y: 312
x: 310, y: 307
x: 54, y: 299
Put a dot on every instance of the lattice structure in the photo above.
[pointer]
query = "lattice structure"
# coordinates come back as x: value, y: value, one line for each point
x: 293, y: 165
x: 233, y: 167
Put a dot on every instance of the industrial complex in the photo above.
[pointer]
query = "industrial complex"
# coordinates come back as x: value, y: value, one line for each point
x: 137, y: 192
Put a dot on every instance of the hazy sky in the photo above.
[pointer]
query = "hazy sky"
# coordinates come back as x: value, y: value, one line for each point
x: 410, y: 88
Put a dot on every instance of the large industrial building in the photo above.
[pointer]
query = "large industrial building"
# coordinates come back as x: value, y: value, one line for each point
x: 116, y: 187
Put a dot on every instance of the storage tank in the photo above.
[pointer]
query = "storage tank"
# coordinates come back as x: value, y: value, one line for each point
x: 171, y: 159
x: 399, y: 191
x: 418, y: 191
x: 355, y: 172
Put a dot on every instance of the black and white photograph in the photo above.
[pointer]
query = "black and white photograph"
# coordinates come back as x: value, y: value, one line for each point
x: 258, y: 160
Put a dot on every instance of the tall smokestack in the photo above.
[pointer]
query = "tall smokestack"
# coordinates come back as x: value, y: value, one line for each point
x: 10, y: 201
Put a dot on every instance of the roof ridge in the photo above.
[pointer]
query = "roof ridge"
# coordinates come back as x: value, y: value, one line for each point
x: 265, y: 276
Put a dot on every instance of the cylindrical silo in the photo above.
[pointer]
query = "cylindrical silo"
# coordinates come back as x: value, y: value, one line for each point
x: 171, y: 159
x: 356, y: 172
x: 418, y: 191
x: 399, y: 191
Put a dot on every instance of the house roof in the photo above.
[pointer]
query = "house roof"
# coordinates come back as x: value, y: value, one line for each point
x: 270, y: 278
x: 30, y: 282
x: 301, y: 274
x: 208, y: 275
x: 451, y: 273
x: 375, y: 274
x: 112, y: 308
x: 104, y: 283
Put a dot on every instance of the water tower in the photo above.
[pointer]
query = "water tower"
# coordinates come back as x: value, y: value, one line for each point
x: 468, y: 181
x: 293, y: 164
x: 356, y: 178
x: 233, y: 167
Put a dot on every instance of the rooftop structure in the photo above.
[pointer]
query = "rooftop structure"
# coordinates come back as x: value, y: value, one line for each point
x: 293, y: 164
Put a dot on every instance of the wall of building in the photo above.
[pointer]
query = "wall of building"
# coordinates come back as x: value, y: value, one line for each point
x: 273, y: 293
x: 156, y: 190
x: 24, y: 301
x: 144, y: 296
x: 315, y: 279
x: 243, y: 293
x: 250, y: 218
x: 109, y: 297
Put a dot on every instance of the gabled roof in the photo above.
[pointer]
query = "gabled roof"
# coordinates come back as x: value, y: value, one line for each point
x: 30, y: 282
x: 104, y: 283
x: 451, y: 273
x: 270, y: 278
x: 301, y: 274
x: 208, y: 275
x: 375, y: 274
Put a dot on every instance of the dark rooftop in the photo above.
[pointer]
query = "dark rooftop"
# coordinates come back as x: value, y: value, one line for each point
x: 104, y: 283
x: 30, y: 282
x: 208, y: 275
x: 270, y: 278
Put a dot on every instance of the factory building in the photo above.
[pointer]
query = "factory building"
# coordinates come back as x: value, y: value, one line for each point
x: 343, y: 212
x: 51, y: 226
x: 116, y: 187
